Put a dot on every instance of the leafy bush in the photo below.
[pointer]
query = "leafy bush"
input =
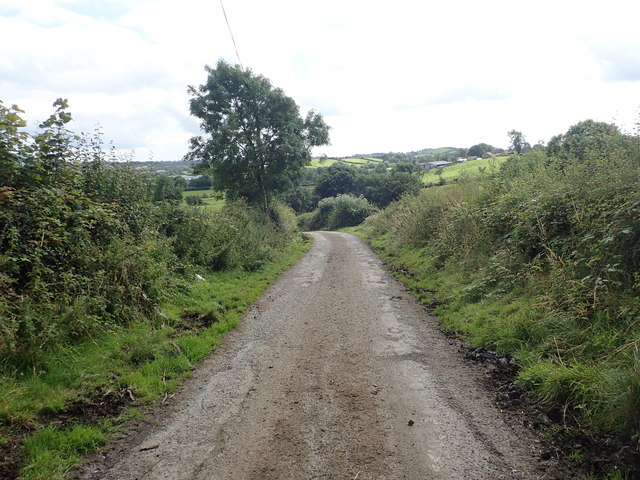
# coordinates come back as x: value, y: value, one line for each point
x: 341, y: 211
x: 87, y: 244
x: 235, y: 237
x: 76, y: 251
x: 378, y: 186
x: 555, y: 233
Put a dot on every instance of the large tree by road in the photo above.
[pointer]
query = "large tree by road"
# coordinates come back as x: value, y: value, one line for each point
x: 256, y: 142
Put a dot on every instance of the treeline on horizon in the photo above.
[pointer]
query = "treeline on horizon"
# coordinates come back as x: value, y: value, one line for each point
x: 343, y: 195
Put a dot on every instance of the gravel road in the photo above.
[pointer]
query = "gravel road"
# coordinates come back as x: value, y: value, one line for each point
x: 336, y: 373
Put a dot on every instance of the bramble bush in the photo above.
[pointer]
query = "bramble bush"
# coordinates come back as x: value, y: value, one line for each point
x: 559, y: 230
x: 87, y: 244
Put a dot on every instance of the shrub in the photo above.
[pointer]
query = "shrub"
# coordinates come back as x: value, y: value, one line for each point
x: 559, y: 228
x: 194, y: 200
x: 341, y: 211
x: 88, y: 245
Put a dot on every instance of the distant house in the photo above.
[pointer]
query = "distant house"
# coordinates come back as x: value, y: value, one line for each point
x: 188, y: 178
x: 472, y: 158
x: 436, y: 164
x: 488, y: 155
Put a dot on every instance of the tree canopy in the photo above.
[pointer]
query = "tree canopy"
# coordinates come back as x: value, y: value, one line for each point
x: 480, y: 149
x: 519, y: 143
x: 336, y: 179
x: 586, y: 138
x: 257, y: 143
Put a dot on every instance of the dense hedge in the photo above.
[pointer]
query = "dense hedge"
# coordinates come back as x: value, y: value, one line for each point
x: 546, y: 257
x: 84, y: 246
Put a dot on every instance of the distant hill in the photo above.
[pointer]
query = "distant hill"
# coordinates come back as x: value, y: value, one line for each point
x: 472, y: 168
x: 168, y: 167
x: 419, y: 156
x: 435, y: 154
x: 440, y: 150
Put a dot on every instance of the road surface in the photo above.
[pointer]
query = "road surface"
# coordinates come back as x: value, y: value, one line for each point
x: 336, y: 373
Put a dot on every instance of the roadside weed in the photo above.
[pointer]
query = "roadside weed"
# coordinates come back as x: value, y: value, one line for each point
x: 51, y: 451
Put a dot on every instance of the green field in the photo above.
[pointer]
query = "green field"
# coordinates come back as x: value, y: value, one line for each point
x: 209, y: 197
x: 322, y: 162
x: 356, y: 161
x: 194, y: 193
x: 360, y: 160
x: 473, y: 168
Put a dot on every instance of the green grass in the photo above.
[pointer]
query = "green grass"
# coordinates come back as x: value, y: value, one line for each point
x: 360, y: 160
x: 473, y: 168
x: 52, y: 451
x: 141, y: 361
x: 212, y: 202
x: 195, y: 193
x: 322, y: 162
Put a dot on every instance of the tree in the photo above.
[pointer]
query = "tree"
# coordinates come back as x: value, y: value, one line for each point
x: 167, y: 190
x: 14, y: 144
x: 180, y: 182
x: 519, y: 143
x: 383, y: 188
x: 586, y: 138
x: 480, y: 149
x: 257, y: 142
x: 336, y: 179
x: 201, y: 182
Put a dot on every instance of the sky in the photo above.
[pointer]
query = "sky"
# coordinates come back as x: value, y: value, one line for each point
x: 397, y: 76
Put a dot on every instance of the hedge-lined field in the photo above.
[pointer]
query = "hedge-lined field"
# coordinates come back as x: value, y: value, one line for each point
x: 458, y: 171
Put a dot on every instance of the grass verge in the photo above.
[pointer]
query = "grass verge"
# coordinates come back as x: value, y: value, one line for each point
x: 578, y: 393
x: 83, y: 393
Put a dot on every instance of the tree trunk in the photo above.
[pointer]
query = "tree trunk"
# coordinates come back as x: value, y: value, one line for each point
x: 265, y: 198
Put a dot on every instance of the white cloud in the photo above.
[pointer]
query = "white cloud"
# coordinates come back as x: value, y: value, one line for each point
x: 388, y: 76
x: 619, y: 58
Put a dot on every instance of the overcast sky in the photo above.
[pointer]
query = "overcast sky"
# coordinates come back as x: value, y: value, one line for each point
x: 387, y: 75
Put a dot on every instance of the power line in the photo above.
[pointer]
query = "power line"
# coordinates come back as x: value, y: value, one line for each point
x: 231, y: 33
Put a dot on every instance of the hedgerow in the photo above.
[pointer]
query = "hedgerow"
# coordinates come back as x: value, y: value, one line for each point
x: 541, y: 262
x: 86, y: 244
